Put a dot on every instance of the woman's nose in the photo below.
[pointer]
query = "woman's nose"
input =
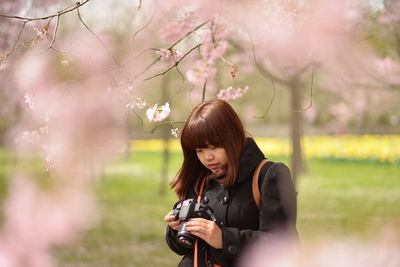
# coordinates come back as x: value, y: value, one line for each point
x: 209, y: 155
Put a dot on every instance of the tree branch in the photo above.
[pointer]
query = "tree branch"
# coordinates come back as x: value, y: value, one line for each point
x: 54, y: 35
x: 171, y: 123
x: 170, y: 48
x: 175, y: 64
x: 148, y: 23
x: 59, y: 13
x: 97, y: 37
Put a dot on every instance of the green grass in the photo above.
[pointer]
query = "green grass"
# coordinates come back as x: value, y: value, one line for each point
x: 336, y: 199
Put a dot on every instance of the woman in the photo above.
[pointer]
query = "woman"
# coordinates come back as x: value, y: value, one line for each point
x: 218, y: 164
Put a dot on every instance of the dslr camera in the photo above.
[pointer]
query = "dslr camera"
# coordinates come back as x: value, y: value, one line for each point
x: 185, y: 210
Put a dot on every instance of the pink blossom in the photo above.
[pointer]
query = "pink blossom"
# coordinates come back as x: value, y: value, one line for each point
x: 279, y: 251
x: 391, y: 15
x: 28, y: 137
x: 166, y: 54
x: 29, y: 101
x: 232, y: 93
x: 175, y: 30
x: 210, y: 52
x: 3, y: 65
x: 388, y: 70
x: 202, y: 73
x: 136, y: 102
x: 175, y: 132
x: 36, y: 219
x: 157, y: 114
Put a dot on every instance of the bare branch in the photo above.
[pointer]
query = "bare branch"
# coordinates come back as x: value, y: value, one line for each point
x: 130, y: 60
x: 19, y: 36
x: 171, y: 123
x: 270, y: 103
x: 189, y: 33
x: 148, y: 23
x: 175, y: 64
x: 49, y: 17
x: 54, y: 35
x: 59, y: 13
x: 311, y: 91
x: 203, y: 97
x: 170, y: 48
x: 265, y: 74
x: 97, y: 37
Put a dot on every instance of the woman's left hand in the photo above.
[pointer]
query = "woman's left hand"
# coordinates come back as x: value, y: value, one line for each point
x: 207, y: 230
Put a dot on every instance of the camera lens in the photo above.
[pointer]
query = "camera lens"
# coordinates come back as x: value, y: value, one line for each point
x: 184, y: 237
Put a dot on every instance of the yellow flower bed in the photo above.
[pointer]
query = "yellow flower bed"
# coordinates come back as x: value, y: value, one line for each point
x: 382, y: 148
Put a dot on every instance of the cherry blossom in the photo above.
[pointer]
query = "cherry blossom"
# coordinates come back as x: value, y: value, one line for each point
x: 174, y: 30
x: 3, y: 65
x: 175, y: 132
x: 157, y: 114
x: 166, y: 54
x: 232, y: 93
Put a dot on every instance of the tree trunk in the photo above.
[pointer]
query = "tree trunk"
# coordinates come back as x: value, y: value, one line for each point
x: 295, y: 130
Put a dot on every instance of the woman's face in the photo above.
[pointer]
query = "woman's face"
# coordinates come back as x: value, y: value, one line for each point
x: 214, y: 159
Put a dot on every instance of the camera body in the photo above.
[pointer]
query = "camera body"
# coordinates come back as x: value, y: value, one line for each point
x: 185, y: 210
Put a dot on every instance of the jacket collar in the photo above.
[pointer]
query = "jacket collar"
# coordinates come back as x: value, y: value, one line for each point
x: 249, y: 159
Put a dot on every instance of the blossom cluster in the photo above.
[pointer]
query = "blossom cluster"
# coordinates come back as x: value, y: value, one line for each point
x: 178, y: 28
x: 169, y: 53
x: 212, y: 48
x: 232, y: 93
x: 157, y: 114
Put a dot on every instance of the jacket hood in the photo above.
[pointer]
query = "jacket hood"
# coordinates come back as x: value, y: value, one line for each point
x: 249, y: 159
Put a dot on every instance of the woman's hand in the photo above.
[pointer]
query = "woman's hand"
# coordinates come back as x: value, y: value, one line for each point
x: 207, y: 230
x: 170, y: 219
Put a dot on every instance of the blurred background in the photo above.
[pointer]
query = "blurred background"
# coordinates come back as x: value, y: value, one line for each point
x: 94, y: 93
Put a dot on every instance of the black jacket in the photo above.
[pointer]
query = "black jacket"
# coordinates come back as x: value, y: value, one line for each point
x: 237, y: 214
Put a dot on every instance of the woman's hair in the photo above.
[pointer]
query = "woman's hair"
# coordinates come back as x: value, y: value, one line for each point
x: 213, y: 123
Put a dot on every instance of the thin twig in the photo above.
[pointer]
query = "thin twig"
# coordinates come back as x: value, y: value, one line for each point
x: 204, y: 92
x: 19, y: 37
x: 265, y: 74
x: 130, y: 60
x: 182, y: 84
x: 54, y: 35
x: 140, y: 118
x: 170, y: 48
x: 59, y: 13
x: 171, y: 123
x: 148, y: 23
x: 174, y: 65
x: 311, y: 90
x: 97, y: 37
x: 186, y: 35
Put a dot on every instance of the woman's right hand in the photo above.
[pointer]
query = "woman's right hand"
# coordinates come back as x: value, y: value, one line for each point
x: 170, y: 219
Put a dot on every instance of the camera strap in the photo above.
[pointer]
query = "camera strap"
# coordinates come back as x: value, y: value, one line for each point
x: 256, y: 189
x: 195, y: 261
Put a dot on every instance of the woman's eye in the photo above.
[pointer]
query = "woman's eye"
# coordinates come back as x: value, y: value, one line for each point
x: 198, y: 150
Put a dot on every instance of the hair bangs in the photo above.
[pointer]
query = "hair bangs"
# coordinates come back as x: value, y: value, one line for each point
x: 200, y: 133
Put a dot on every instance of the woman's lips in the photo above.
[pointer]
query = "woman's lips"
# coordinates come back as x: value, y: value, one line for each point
x: 213, y: 166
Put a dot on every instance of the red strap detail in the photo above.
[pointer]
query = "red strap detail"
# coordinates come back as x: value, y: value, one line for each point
x: 198, y: 201
x: 256, y: 190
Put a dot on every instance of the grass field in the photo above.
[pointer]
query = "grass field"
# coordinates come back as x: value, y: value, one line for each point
x: 336, y: 199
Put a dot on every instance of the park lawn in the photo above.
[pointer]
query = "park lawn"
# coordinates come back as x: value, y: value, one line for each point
x: 335, y: 199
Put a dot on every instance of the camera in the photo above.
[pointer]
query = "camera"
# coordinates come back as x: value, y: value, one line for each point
x: 185, y: 210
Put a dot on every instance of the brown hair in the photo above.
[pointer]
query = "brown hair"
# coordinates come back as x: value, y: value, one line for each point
x: 213, y: 123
